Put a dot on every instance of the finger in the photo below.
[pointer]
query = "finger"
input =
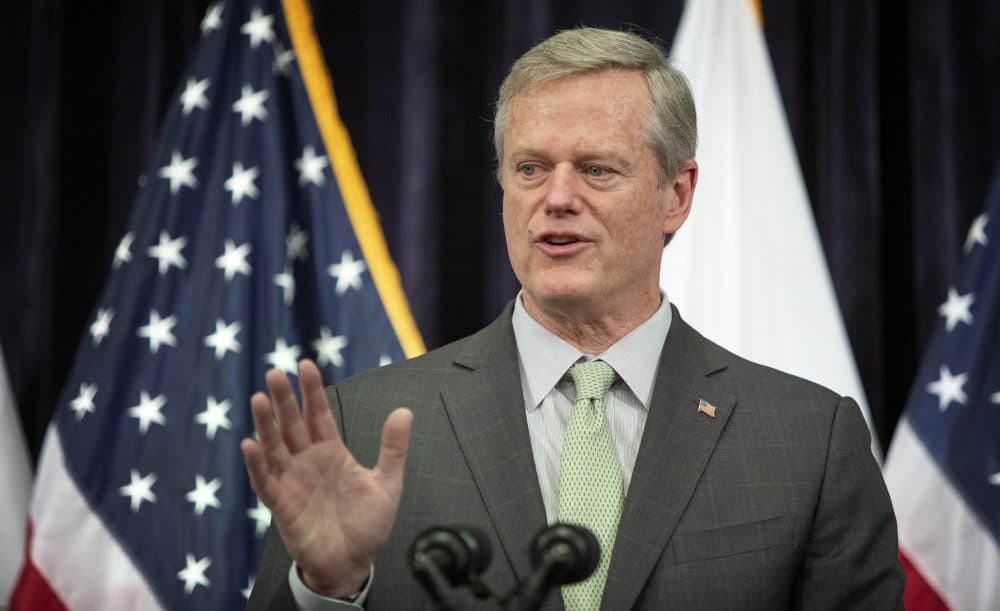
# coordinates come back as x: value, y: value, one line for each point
x: 286, y: 409
x: 315, y: 408
x: 261, y: 479
x: 273, y: 447
x: 395, y: 441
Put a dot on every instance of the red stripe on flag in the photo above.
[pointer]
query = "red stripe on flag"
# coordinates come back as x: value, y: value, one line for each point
x: 919, y: 595
x: 32, y: 591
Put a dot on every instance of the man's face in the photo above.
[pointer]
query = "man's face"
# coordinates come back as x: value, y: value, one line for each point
x: 584, y: 214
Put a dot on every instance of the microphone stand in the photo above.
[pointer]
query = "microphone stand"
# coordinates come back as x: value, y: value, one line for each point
x: 435, y: 584
x: 530, y: 594
x: 561, y: 554
x: 445, y: 558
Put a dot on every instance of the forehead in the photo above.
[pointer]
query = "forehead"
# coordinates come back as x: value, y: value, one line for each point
x: 617, y: 100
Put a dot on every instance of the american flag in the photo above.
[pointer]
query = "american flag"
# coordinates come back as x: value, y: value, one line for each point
x: 943, y: 468
x: 251, y: 244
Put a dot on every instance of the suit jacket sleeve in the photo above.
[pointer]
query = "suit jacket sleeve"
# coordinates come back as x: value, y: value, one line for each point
x: 271, y: 590
x: 851, y: 561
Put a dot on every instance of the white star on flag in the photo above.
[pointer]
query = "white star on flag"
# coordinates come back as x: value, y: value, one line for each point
x: 101, y: 325
x: 347, y: 272
x: 295, y: 243
x: 139, y: 489
x: 214, y: 417
x: 123, y: 252
x: 180, y: 172
x: 168, y: 252
x: 234, y: 259
x: 995, y: 479
x: 261, y: 515
x: 384, y: 359
x: 240, y: 183
x: 250, y: 105
x: 83, y: 403
x: 193, y: 96
x: 284, y: 357
x: 258, y: 28
x: 148, y: 411
x: 995, y: 398
x: 158, y: 331
x: 310, y: 167
x: 956, y: 309
x: 977, y: 233
x: 224, y: 338
x: 328, y: 348
x: 282, y: 60
x: 246, y: 591
x: 203, y: 494
x: 212, y: 19
x: 948, y: 388
x: 286, y: 281
x: 193, y: 574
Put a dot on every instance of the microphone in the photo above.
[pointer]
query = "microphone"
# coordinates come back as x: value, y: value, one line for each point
x: 560, y: 554
x: 443, y: 558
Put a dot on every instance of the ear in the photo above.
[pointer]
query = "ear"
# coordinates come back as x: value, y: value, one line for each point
x: 679, y: 194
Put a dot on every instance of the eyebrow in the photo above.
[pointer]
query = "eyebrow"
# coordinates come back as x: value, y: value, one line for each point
x: 527, y: 152
x: 517, y: 155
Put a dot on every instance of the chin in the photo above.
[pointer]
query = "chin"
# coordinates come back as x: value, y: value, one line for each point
x: 560, y: 294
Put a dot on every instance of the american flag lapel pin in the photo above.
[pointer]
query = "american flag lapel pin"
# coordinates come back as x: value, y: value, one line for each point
x: 704, y: 407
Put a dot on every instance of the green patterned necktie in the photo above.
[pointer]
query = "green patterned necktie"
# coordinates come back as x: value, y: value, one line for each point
x: 591, y: 488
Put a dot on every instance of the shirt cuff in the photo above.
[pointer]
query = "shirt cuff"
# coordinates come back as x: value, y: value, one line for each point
x: 307, y: 600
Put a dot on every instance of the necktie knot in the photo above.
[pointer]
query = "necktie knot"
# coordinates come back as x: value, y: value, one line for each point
x: 592, y: 379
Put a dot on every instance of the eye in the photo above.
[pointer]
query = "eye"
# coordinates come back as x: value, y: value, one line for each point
x: 596, y: 171
x: 527, y: 169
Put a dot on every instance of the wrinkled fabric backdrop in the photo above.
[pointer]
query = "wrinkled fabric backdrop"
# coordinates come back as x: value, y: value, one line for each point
x: 894, y: 112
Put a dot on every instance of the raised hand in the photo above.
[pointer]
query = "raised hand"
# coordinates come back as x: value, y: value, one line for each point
x: 332, y: 513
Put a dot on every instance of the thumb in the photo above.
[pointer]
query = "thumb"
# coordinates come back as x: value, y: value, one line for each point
x: 395, y: 441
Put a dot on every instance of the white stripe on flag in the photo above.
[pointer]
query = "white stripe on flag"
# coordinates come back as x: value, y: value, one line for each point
x: 943, y: 539
x: 81, y: 560
x: 747, y: 268
x: 15, y: 488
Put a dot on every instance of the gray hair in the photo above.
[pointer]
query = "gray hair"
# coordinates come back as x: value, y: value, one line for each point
x: 671, y: 129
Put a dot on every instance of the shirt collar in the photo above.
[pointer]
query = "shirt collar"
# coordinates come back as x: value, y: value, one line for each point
x: 544, y: 356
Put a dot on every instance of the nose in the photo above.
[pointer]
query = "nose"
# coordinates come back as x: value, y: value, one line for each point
x: 562, y: 196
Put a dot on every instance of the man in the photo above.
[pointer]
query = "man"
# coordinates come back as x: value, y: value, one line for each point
x: 711, y: 482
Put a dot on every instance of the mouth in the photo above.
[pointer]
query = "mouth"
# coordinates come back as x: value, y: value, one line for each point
x: 560, y: 240
x: 561, y: 243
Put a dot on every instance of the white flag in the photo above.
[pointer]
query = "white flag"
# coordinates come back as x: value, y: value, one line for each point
x: 15, y: 484
x: 747, y: 268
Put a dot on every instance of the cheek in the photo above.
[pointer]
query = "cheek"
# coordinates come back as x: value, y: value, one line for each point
x: 516, y: 218
x: 637, y: 231
x: 514, y: 231
x: 509, y: 221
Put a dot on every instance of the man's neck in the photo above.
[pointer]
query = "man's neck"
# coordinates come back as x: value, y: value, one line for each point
x: 589, y: 331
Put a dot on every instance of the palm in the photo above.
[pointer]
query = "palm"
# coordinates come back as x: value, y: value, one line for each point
x: 331, y: 508
x: 332, y: 513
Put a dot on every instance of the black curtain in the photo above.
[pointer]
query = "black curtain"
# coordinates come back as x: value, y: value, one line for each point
x: 893, y: 110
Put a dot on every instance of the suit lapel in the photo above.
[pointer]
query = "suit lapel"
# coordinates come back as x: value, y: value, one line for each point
x: 676, y: 446
x: 485, y: 404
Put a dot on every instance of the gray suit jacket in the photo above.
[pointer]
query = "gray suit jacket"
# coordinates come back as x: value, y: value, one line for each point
x: 775, y: 503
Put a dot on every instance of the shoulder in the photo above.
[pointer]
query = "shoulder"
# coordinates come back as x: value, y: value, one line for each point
x: 763, y: 397
x: 732, y: 370
x: 427, y: 371
x: 757, y: 380
x: 435, y: 363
